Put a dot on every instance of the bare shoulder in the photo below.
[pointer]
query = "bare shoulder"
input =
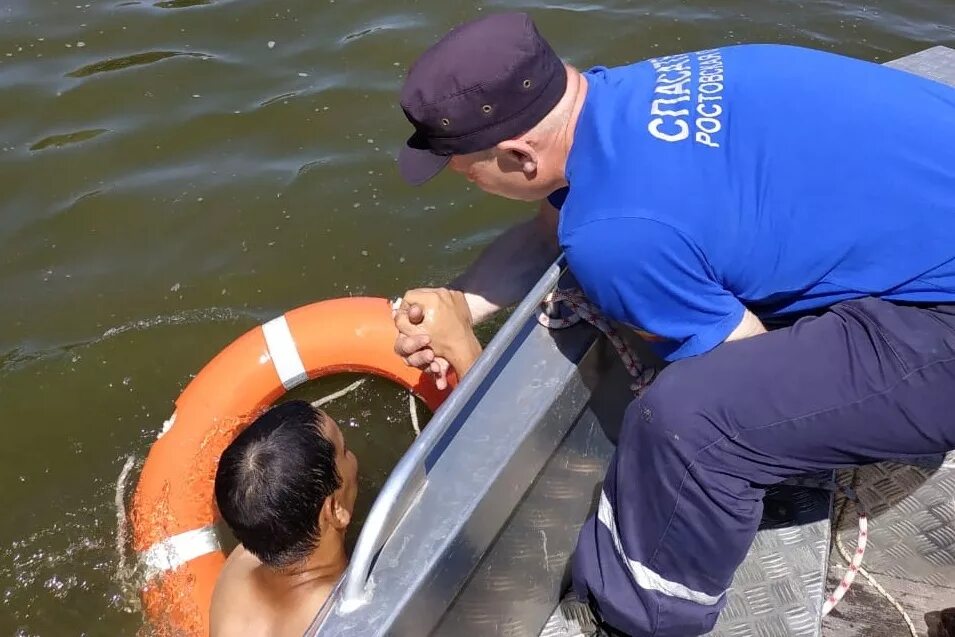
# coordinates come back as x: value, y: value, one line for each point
x: 236, y: 607
x: 304, y: 608
x: 250, y: 602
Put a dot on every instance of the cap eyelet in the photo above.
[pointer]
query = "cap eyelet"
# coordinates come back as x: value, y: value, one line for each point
x: 527, y: 83
x: 445, y: 122
x: 486, y: 108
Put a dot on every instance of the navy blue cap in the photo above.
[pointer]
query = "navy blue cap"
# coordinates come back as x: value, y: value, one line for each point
x: 486, y: 81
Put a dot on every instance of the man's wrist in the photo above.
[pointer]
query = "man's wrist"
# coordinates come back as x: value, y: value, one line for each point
x: 462, y: 304
x: 463, y: 356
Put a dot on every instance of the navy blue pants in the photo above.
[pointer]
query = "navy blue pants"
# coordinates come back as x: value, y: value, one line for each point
x: 866, y: 381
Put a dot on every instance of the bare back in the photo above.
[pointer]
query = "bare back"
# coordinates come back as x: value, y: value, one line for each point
x: 254, y: 601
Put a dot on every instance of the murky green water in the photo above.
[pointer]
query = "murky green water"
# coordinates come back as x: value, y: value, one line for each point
x: 173, y: 173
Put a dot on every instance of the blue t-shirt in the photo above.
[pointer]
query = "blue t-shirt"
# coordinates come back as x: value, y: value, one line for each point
x: 770, y: 177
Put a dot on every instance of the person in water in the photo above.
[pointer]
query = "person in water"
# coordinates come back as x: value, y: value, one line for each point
x: 286, y: 487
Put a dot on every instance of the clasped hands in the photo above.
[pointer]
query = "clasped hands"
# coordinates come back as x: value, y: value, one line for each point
x: 435, y: 332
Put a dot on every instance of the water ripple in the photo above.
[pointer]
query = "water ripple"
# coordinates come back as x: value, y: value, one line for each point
x: 278, y: 98
x: 400, y: 22
x: 20, y: 357
x: 136, y: 59
x: 185, y: 317
x: 362, y: 33
x: 65, y: 139
x: 41, y: 565
x: 207, y: 176
x: 181, y: 4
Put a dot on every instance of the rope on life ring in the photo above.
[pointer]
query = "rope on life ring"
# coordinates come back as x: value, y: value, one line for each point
x: 173, y: 510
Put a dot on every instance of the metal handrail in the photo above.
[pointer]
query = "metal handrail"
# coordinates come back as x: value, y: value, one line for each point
x: 410, y: 474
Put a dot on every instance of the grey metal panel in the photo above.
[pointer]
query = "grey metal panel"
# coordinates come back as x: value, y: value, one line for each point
x: 409, y: 476
x: 518, y: 582
x: 936, y: 63
x: 516, y: 413
x: 571, y: 619
x: 478, y: 483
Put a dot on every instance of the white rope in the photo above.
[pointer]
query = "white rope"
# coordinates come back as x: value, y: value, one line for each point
x: 412, y: 406
x: 888, y: 596
x: 327, y: 399
x: 850, y: 493
x: 413, y: 409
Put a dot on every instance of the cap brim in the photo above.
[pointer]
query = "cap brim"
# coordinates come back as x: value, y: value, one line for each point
x: 418, y: 166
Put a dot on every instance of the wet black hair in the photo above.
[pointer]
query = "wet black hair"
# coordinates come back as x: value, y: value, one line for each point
x: 272, y: 481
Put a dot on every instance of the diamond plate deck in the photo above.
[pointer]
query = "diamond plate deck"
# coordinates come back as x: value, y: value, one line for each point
x: 778, y: 590
x: 912, y: 519
x: 911, y: 549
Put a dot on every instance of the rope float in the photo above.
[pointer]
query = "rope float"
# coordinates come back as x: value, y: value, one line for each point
x: 173, y: 510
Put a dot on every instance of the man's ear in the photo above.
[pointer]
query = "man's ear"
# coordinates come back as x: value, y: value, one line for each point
x: 335, y: 514
x: 525, y: 156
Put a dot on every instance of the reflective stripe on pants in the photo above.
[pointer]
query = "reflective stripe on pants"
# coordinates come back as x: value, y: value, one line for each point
x: 866, y: 381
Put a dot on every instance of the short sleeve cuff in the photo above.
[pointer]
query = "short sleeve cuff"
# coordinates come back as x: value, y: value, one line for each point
x: 707, y: 339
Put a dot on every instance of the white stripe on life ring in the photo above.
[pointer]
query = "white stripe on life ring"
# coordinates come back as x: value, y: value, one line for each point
x: 175, y: 551
x: 284, y: 353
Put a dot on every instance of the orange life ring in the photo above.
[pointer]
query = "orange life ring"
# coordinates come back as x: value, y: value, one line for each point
x: 173, y: 511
